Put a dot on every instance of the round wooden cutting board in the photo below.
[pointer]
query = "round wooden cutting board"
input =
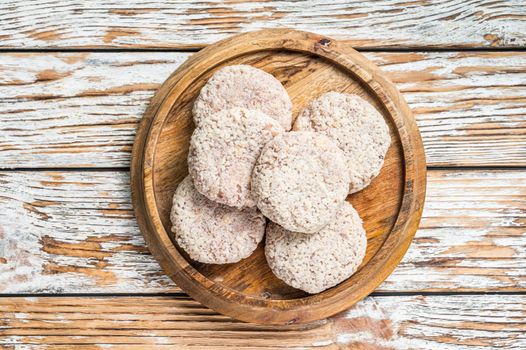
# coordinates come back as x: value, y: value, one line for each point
x: 308, y: 65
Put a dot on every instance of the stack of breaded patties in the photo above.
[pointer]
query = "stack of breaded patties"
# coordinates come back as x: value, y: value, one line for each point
x: 248, y: 173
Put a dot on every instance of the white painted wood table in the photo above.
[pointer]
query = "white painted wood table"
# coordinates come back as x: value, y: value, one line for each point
x: 75, y: 78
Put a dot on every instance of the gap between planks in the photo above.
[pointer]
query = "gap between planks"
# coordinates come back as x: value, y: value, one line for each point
x: 415, y: 49
x: 126, y: 169
x: 184, y: 295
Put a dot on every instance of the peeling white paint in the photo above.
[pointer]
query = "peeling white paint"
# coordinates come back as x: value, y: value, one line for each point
x: 97, y: 100
x: 464, y: 322
x: 455, y: 248
x: 420, y: 322
x: 191, y: 23
x: 323, y: 342
x: 72, y: 216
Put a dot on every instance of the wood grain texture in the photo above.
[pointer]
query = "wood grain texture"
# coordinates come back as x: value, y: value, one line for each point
x: 82, y: 109
x: 184, y: 24
x: 308, y: 65
x: 403, y: 322
x: 64, y: 232
x: 74, y: 232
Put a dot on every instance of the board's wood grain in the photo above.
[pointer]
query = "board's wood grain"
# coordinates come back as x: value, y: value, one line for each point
x: 183, y: 24
x: 460, y: 322
x: 82, y: 109
x: 74, y: 232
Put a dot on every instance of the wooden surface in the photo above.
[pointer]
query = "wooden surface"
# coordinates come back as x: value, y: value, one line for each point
x: 190, y: 24
x: 67, y: 122
x: 157, y: 322
x: 307, y: 65
x: 74, y: 232
x: 82, y: 109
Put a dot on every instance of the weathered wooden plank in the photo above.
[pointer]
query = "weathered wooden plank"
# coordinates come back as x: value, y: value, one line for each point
x: 74, y: 232
x: 471, y: 236
x: 82, y: 109
x: 184, y: 24
x: 401, y: 322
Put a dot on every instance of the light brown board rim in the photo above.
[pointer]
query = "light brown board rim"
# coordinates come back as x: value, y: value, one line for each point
x: 232, y: 302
